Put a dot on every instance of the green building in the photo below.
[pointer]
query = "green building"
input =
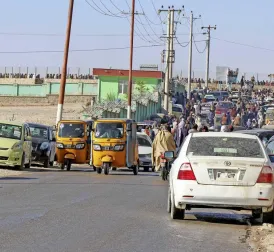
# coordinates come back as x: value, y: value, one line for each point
x: 114, y: 82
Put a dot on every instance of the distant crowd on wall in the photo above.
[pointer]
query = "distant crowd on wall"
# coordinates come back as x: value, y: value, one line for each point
x: 201, y: 81
x: 72, y: 76
x: 48, y: 76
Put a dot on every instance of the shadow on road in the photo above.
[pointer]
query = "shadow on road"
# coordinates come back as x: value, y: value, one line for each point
x: 221, y: 218
x: 16, y: 178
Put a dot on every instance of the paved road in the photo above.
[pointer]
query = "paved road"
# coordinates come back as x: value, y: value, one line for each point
x: 82, y: 211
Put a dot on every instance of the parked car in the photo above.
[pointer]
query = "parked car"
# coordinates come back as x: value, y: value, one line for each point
x: 43, y: 144
x: 145, y: 150
x: 263, y: 134
x: 209, y: 98
x: 223, y: 107
x: 232, y: 172
x: 177, y: 110
x: 15, y: 145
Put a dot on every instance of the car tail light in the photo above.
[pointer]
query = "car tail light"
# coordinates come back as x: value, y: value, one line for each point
x: 266, y: 175
x: 186, y: 172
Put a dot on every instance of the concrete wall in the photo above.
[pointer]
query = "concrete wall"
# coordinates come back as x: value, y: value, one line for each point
x: 110, y: 84
x: 52, y: 88
x: 29, y: 81
x: 48, y: 100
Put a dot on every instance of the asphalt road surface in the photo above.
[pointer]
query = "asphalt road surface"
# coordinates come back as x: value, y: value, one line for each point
x: 62, y: 211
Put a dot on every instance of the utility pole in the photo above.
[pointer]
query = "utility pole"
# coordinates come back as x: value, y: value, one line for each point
x: 190, y: 54
x: 171, y: 43
x: 169, y: 53
x: 132, y: 13
x: 208, y: 51
x: 131, y: 60
x: 65, y: 63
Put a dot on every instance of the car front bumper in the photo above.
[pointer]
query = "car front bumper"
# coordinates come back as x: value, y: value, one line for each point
x: 145, y: 162
x: 10, y: 158
x: 245, y: 197
x: 39, y: 156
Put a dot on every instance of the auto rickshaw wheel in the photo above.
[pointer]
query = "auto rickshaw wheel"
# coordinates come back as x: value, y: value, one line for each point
x: 136, y: 169
x: 68, y: 164
x: 94, y: 168
x: 106, y: 168
x: 99, y: 170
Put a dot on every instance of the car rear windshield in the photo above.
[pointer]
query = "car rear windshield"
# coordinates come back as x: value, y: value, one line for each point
x: 225, y: 146
x: 215, y: 93
x: 224, y: 105
x: 142, y: 141
x: 176, y: 109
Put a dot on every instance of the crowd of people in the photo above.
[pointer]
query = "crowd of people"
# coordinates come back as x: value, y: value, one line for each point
x: 47, y: 76
x: 246, y: 113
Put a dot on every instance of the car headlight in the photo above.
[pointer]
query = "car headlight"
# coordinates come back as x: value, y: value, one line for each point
x: 44, y: 146
x: 118, y: 147
x: 80, y: 146
x: 17, y: 146
x: 97, y: 147
x: 59, y: 145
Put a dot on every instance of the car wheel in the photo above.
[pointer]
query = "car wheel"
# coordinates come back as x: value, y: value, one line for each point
x: 268, y: 217
x: 22, y: 165
x: 28, y: 165
x: 46, y: 163
x: 175, y: 213
x: 169, y: 201
x: 146, y: 169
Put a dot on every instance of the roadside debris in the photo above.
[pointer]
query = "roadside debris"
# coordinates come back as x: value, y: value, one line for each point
x: 262, y: 238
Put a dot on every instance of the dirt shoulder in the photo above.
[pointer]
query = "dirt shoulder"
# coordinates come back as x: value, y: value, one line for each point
x: 262, y: 238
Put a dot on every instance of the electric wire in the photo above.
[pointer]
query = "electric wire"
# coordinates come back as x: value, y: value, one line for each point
x: 85, y: 50
x: 110, y: 11
x: 99, y: 10
x: 197, y: 46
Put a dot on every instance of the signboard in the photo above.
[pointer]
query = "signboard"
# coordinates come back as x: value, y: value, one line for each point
x: 226, y: 74
x: 146, y: 67
x: 232, y: 75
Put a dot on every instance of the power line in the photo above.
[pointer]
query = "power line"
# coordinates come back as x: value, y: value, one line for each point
x: 148, y: 20
x: 77, y: 35
x: 101, y: 11
x: 242, y: 44
x: 84, y: 50
x: 110, y: 11
x: 198, y: 48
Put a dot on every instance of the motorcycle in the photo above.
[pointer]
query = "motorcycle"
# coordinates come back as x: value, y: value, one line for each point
x: 165, y: 164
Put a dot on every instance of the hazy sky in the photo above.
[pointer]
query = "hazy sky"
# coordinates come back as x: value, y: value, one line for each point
x: 243, y: 21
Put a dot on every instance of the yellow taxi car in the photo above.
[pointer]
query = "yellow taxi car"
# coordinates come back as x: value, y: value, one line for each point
x: 15, y: 145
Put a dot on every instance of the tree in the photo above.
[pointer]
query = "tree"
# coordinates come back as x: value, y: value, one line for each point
x: 140, y: 86
x: 111, y: 97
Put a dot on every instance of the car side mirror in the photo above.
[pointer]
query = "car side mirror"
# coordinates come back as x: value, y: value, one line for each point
x: 169, y: 154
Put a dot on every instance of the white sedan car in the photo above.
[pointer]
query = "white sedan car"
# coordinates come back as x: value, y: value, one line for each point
x: 144, y: 150
x: 222, y: 170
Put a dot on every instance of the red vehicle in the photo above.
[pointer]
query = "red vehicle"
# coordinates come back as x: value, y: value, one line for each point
x: 223, y: 107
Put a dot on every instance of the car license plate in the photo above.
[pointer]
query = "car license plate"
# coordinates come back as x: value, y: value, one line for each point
x: 226, y: 175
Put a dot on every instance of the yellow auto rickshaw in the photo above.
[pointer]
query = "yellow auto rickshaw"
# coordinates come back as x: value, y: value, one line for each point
x: 114, y: 145
x: 73, y: 141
